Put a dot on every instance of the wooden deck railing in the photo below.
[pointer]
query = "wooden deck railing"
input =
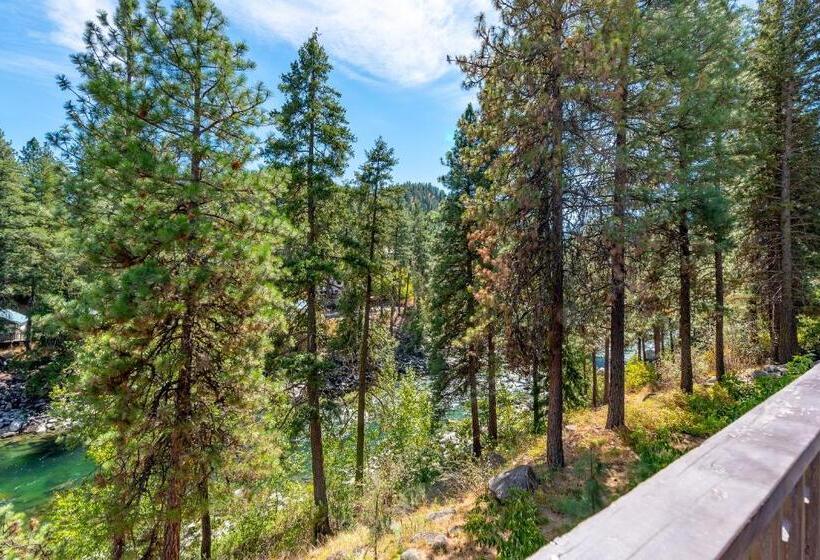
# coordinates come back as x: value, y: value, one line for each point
x: 751, y: 491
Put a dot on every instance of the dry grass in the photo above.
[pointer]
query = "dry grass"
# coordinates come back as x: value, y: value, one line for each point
x: 650, y: 408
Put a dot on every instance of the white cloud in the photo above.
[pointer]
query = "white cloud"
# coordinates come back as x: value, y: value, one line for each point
x: 403, y: 42
x: 69, y: 17
x: 28, y: 65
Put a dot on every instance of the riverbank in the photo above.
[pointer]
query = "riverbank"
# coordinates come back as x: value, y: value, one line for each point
x: 19, y: 413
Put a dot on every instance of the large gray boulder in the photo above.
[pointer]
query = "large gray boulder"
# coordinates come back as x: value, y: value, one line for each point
x: 521, y: 477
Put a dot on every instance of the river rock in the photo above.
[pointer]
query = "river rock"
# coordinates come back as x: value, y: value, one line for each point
x: 413, y: 554
x: 436, y: 541
x: 521, y: 477
x: 770, y: 370
x: 443, y: 514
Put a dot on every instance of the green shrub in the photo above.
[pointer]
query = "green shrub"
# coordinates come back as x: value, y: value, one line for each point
x: 639, y: 374
x: 592, y: 495
x: 808, y: 334
x: 799, y: 365
x: 655, y: 451
x: 511, y: 528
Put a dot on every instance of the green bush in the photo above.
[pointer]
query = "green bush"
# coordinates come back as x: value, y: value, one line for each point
x: 639, y: 374
x: 592, y: 495
x: 808, y: 334
x: 799, y: 365
x: 511, y: 528
x: 655, y: 451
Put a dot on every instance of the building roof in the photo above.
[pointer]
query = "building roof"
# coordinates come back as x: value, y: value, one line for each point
x: 13, y: 317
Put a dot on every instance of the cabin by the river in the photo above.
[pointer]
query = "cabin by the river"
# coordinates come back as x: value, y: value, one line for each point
x: 13, y: 326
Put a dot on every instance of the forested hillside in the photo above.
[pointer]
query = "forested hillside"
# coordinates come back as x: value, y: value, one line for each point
x: 263, y: 359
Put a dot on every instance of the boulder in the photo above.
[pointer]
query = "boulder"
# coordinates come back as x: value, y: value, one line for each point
x: 521, y: 477
x: 413, y: 554
x: 495, y: 460
x: 436, y: 541
x: 769, y: 371
x: 442, y: 514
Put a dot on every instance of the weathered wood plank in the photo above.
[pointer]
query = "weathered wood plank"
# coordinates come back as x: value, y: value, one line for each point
x: 812, y: 545
x: 717, y: 499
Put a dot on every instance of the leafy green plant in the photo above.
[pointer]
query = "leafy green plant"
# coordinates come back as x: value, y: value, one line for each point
x: 799, y: 365
x: 639, y: 374
x: 655, y: 451
x: 512, y: 528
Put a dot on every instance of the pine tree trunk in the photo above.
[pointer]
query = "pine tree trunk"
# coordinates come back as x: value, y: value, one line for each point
x: 685, y: 305
x: 662, y: 339
x: 787, y: 333
x: 720, y: 365
x: 594, y: 382
x: 29, y: 322
x: 555, y: 421
x: 321, y: 525
x: 118, y: 547
x: 472, y: 369
x: 606, y: 370
x: 536, y: 393
x: 672, y: 340
x: 205, y: 519
x: 492, y: 420
x: 180, y: 440
x: 615, y: 414
x: 365, y: 345
x: 362, y: 389
x: 657, y: 343
x: 179, y: 444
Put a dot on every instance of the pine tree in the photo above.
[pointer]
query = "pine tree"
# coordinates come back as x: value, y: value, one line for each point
x: 535, y: 47
x: 455, y: 321
x: 16, y: 210
x: 176, y: 304
x: 698, y: 60
x: 313, y: 143
x: 784, y: 172
x: 374, y: 177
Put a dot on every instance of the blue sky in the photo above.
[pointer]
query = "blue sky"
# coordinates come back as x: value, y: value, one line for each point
x: 390, y: 58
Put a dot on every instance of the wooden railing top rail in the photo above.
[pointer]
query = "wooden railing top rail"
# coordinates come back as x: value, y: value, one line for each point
x: 718, y: 499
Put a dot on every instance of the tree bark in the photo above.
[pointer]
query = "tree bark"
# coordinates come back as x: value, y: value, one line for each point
x: 555, y: 421
x: 787, y: 332
x: 472, y: 369
x: 29, y: 319
x: 205, y: 519
x: 606, y: 370
x: 720, y: 364
x: 615, y: 414
x: 594, y: 382
x: 671, y: 340
x: 536, y: 393
x: 657, y: 343
x: 118, y: 547
x: 492, y: 420
x: 685, y: 305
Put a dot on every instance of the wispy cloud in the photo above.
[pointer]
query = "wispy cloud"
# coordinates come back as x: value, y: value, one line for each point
x: 68, y: 18
x: 403, y: 42
x: 28, y: 65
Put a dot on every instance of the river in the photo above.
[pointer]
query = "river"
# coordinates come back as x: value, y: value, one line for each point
x: 33, y: 467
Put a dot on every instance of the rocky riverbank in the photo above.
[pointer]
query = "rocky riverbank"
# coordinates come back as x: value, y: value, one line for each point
x: 20, y: 414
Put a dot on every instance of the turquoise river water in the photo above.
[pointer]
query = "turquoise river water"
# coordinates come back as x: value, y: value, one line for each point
x: 32, y: 468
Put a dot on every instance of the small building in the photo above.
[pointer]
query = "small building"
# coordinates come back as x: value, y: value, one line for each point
x: 13, y: 326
